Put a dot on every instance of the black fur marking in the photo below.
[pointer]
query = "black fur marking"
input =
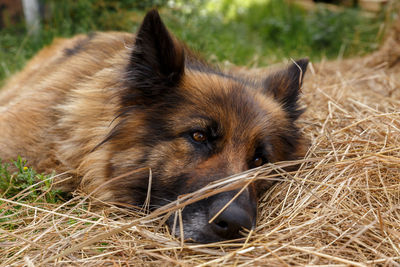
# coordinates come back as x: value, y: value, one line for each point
x: 291, y: 139
x: 156, y: 124
x: 156, y: 65
x: 79, y: 45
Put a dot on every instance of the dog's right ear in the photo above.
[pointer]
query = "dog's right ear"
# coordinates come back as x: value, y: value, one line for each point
x: 157, y: 61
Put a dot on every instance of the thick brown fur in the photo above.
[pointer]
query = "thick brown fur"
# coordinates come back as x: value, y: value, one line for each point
x: 102, y: 105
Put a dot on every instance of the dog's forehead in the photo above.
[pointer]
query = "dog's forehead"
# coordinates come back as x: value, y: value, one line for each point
x: 230, y: 102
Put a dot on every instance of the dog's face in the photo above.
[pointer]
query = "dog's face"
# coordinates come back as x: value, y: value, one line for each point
x: 192, y: 125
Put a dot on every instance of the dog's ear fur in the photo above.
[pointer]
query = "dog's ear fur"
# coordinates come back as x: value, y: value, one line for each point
x: 285, y: 86
x: 157, y: 61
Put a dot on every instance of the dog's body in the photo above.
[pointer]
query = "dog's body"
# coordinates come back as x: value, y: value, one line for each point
x: 106, y: 104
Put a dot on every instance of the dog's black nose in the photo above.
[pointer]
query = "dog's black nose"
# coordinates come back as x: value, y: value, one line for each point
x: 234, y: 218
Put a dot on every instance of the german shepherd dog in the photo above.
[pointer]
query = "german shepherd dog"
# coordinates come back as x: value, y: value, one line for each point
x: 102, y: 105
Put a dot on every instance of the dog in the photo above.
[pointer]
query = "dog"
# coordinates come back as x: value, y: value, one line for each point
x: 102, y: 105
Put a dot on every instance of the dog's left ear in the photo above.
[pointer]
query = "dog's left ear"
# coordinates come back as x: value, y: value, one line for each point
x: 285, y: 86
x: 157, y: 61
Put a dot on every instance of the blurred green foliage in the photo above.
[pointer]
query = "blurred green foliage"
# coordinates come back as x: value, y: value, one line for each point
x: 322, y: 32
x: 245, y: 32
x: 260, y: 32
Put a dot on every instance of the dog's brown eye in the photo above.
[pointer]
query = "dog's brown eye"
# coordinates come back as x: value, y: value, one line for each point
x: 257, y: 162
x: 199, y: 137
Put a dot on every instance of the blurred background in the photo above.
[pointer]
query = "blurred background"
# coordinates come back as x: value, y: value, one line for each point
x: 252, y: 33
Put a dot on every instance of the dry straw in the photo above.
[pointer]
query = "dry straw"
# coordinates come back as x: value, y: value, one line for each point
x: 341, y: 208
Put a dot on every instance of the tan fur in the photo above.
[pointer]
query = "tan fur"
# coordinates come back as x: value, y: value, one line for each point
x: 47, y: 109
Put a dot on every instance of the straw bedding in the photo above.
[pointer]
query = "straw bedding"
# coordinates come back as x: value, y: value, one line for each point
x: 341, y: 208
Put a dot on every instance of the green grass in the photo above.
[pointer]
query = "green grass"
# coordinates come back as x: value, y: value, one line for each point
x: 24, y: 185
x: 25, y: 179
x: 247, y: 32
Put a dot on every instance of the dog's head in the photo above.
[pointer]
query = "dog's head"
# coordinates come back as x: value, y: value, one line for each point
x: 191, y: 125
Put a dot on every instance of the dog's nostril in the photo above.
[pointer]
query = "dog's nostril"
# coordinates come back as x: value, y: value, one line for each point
x: 222, y: 224
x: 231, y: 221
